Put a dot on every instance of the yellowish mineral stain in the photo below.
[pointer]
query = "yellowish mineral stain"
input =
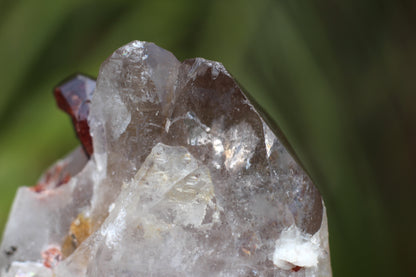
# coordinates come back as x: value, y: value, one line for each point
x: 79, y: 230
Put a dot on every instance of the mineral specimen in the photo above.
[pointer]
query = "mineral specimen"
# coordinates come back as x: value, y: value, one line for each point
x: 182, y: 177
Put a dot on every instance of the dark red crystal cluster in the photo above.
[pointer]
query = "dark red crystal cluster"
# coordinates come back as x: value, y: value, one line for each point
x: 74, y: 97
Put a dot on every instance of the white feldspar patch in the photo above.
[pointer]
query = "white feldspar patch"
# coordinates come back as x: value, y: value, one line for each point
x: 294, y: 248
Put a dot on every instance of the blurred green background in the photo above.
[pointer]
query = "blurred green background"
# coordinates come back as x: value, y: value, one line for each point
x: 337, y: 76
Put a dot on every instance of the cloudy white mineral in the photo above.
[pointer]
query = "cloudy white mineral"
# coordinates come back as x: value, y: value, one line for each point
x: 182, y: 177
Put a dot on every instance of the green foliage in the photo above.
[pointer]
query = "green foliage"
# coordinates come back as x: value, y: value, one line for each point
x: 337, y: 76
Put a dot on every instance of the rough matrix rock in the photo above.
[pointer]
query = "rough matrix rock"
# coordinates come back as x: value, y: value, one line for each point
x: 185, y: 178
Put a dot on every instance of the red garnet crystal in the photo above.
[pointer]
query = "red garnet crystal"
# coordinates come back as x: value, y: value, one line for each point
x: 74, y: 97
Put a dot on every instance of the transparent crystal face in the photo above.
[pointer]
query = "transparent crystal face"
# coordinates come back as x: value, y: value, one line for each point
x: 186, y: 179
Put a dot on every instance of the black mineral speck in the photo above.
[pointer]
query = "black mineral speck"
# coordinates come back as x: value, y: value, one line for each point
x: 10, y: 252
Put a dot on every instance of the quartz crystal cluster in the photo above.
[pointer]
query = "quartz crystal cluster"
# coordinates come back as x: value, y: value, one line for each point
x: 178, y: 175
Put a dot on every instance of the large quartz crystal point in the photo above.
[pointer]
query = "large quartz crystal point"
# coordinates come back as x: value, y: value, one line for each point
x: 186, y: 178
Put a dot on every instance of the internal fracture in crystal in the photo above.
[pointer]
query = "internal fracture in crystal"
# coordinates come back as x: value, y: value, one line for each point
x: 178, y: 175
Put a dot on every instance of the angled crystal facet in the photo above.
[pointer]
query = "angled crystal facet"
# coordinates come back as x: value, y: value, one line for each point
x: 185, y: 178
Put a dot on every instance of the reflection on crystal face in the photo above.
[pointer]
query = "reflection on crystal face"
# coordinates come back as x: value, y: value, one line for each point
x: 185, y: 179
x: 240, y: 142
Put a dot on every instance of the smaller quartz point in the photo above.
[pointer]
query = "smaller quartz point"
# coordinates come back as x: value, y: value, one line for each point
x: 178, y: 175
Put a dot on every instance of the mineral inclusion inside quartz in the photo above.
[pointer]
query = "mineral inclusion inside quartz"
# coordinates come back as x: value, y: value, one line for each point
x: 178, y: 175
